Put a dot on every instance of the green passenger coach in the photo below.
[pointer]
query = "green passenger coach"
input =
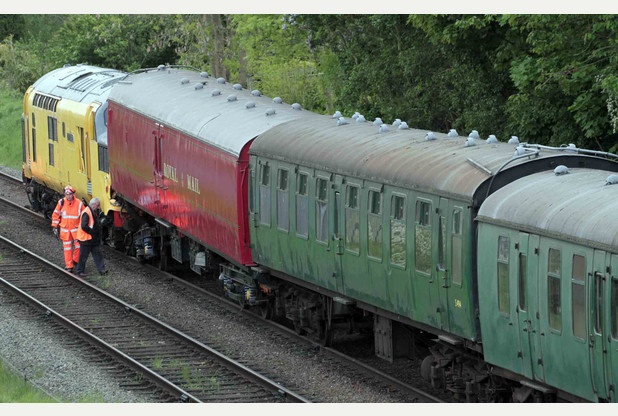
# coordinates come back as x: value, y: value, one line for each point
x: 548, y: 282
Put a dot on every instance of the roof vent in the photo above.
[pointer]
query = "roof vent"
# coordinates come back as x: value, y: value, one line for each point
x: 198, y: 86
x: 470, y: 141
x: 277, y: 100
x: 184, y: 81
x: 492, y: 139
x: 341, y: 121
x: 159, y: 68
x: 204, y: 74
x: 337, y: 114
x: 296, y: 106
x: 231, y: 98
x: 430, y: 136
x: 377, y: 121
x: 397, y: 122
x: 237, y: 87
x: 256, y: 93
x: 360, y: 118
x: 383, y: 128
x: 561, y: 170
x: 452, y: 133
x: 513, y: 140
x: 519, y: 150
x: 403, y: 126
x: 221, y: 80
x: 355, y: 115
x: 270, y: 111
x: 612, y: 180
x: 215, y: 93
x: 474, y: 134
x: 250, y: 104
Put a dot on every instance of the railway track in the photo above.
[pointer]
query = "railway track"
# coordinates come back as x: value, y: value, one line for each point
x: 282, y: 335
x: 178, y: 364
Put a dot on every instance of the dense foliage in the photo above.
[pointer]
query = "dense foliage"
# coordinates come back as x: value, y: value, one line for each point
x: 550, y: 79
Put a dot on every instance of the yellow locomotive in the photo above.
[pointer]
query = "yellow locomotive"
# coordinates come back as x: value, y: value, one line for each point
x: 64, y: 136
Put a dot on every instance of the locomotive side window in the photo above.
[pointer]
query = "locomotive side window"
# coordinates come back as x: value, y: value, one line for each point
x: 64, y: 130
x: 51, y: 154
x: 321, y: 210
x: 554, y: 301
x: 398, y: 230
x: 52, y: 128
x: 70, y: 137
x: 578, y: 294
x: 614, y: 308
x: 103, y: 159
x: 265, y: 195
x: 422, y: 254
x: 503, y: 274
x: 302, y: 207
x: 283, y: 210
x: 374, y: 224
x: 352, y: 220
x: 33, y: 144
x: 457, y: 247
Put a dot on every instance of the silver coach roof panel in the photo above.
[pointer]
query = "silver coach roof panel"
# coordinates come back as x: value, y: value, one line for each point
x: 443, y: 165
x: 578, y: 206
x: 210, y: 109
x: 80, y: 83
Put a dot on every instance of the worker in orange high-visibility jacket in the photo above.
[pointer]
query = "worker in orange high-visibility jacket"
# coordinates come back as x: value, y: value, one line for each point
x: 65, y: 222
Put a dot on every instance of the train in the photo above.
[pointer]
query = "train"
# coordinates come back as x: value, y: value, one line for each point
x: 498, y: 258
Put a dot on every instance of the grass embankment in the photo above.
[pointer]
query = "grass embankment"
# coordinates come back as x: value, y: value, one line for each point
x: 10, y: 128
x: 14, y: 389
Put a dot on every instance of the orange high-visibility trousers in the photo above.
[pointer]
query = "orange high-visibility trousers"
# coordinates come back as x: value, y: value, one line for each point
x: 71, y: 253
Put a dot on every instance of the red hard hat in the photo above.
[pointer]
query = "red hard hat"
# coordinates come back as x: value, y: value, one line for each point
x: 69, y: 189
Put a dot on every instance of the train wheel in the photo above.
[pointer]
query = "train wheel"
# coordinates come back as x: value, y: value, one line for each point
x: 426, y: 368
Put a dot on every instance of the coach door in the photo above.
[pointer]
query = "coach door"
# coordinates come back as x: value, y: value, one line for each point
x: 528, y: 305
x: 612, y: 337
x: 158, y: 169
x: 337, y: 239
x: 599, y: 329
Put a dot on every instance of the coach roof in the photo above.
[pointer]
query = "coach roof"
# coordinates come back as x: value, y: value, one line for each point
x: 209, y: 109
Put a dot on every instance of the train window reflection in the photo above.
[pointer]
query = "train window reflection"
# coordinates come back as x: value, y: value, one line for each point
x: 554, y: 295
x: 503, y: 275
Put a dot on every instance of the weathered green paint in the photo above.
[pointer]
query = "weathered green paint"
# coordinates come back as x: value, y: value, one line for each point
x: 430, y: 298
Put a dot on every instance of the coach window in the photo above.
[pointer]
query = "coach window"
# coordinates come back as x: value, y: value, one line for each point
x: 52, y: 128
x: 614, y: 308
x: 283, y: 205
x: 302, y: 207
x: 503, y: 274
x: 374, y: 224
x: 422, y: 240
x: 578, y: 295
x: 321, y: 210
x: 265, y: 195
x: 523, y: 269
x: 352, y: 220
x: 398, y: 230
x: 554, y: 297
x: 457, y: 247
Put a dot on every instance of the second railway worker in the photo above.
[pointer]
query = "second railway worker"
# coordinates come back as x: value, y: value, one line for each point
x: 89, y: 236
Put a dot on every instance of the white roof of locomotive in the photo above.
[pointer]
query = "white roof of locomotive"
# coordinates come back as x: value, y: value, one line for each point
x: 79, y: 83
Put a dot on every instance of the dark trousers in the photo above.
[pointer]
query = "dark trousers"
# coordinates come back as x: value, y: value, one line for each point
x: 97, y: 256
